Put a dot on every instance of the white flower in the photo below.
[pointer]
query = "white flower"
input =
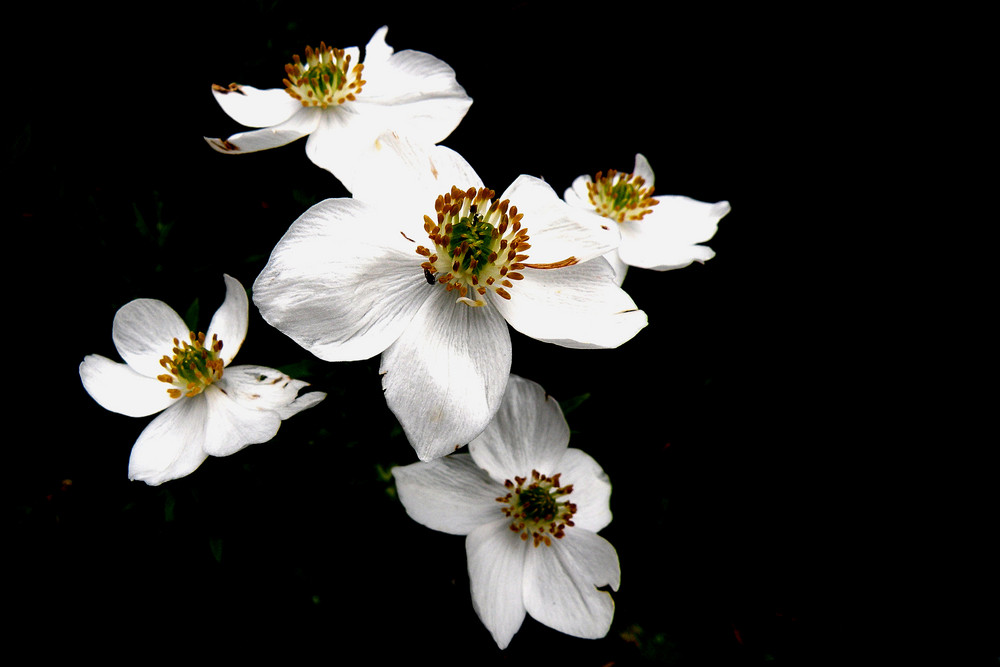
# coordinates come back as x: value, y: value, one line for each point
x: 531, y: 509
x: 658, y: 232
x: 409, y: 92
x: 209, y: 407
x: 388, y: 272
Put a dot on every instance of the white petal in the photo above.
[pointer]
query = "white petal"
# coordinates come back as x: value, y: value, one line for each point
x: 577, y: 195
x: 254, y: 107
x: 643, y: 170
x: 445, y: 376
x: 560, y: 584
x: 143, y: 332
x: 230, y: 426
x: 496, y: 574
x: 451, y: 494
x: 341, y: 283
x: 578, y: 306
x: 299, y: 125
x: 116, y: 387
x: 559, y: 231
x: 591, y: 489
x: 171, y: 446
x: 230, y: 321
x: 528, y: 433
x: 667, y: 237
x: 259, y: 387
x: 617, y: 265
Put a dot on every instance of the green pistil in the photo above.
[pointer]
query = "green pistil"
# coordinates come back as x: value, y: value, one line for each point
x: 538, y: 504
x: 323, y: 79
x: 472, y: 238
x: 624, y: 194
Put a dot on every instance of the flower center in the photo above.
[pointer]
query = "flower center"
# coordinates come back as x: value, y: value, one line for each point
x: 535, y: 508
x: 478, y: 245
x: 621, y: 197
x: 323, y: 80
x: 193, y: 366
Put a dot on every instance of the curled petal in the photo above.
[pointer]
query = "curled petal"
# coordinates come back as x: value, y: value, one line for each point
x: 230, y: 426
x: 116, y: 387
x: 170, y: 447
x: 254, y: 107
x: 230, y: 321
x: 262, y: 388
x: 496, y: 558
x: 445, y: 376
x: 577, y: 306
x: 561, y: 584
x: 300, y: 124
x: 451, y: 494
x: 143, y: 332
x: 668, y: 237
x: 528, y: 433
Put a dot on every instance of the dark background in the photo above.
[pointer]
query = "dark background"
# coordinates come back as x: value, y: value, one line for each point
x: 724, y: 425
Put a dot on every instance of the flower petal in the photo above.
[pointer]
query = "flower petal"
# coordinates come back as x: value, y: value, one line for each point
x: 143, y: 332
x: 230, y: 426
x: 300, y: 124
x: 559, y: 231
x: 496, y: 572
x: 262, y: 388
x: 528, y: 433
x: 451, y: 494
x: 231, y: 320
x: 643, y: 170
x: 116, y: 387
x: 254, y: 107
x: 340, y: 283
x: 560, y: 584
x: 591, y: 489
x: 577, y: 306
x: 667, y: 237
x: 444, y: 378
x: 171, y: 446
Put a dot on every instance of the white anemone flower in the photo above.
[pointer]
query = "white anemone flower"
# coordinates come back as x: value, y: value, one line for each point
x: 660, y: 232
x: 208, y: 407
x: 428, y: 270
x: 326, y: 98
x: 530, y: 508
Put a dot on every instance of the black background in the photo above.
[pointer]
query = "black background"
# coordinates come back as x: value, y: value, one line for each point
x: 724, y: 425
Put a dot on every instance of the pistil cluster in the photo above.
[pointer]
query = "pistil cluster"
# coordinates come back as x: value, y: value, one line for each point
x: 621, y: 196
x: 193, y: 366
x: 326, y: 78
x: 535, y: 509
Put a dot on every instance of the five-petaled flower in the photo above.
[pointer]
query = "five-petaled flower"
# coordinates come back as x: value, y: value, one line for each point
x: 344, y: 105
x: 658, y: 232
x: 429, y: 275
x: 209, y: 407
x: 530, y: 508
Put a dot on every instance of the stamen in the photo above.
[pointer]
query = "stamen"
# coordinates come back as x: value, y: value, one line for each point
x: 193, y: 366
x: 620, y: 196
x: 536, y: 509
x: 325, y: 79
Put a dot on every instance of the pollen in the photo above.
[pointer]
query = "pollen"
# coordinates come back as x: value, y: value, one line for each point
x: 621, y: 197
x: 325, y: 79
x: 192, y: 366
x: 537, y: 508
x: 478, y: 245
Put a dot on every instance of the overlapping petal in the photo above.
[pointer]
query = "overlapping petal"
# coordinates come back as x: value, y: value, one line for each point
x: 143, y: 332
x: 451, y: 494
x: 496, y: 559
x: 254, y: 107
x: 231, y: 320
x: 118, y: 388
x: 229, y: 426
x: 171, y: 446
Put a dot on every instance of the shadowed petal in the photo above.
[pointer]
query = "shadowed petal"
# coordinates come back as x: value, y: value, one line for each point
x: 230, y: 321
x: 143, y: 332
x: 451, y: 494
x: 116, y: 387
x: 229, y: 426
x: 496, y: 565
x: 560, y: 584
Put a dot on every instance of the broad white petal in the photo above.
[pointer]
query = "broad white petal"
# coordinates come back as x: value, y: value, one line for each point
x: 341, y: 283
x: 144, y: 331
x: 451, y: 494
x: 254, y: 107
x: 445, y: 376
x: 230, y: 426
x: 667, y: 237
x: 528, y: 433
x: 557, y: 230
x: 591, y: 489
x: 116, y: 387
x: 298, y: 125
x: 171, y: 446
x: 578, y: 306
x: 343, y: 136
x: 560, y: 584
x: 230, y: 321
x: 496, y: 575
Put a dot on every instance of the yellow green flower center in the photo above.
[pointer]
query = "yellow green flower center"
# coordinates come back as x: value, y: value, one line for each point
x: 478, y: 246
x: 536, y: 508
x: 620, y: 196
x: 192, y: 366
x: 326, y: 79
